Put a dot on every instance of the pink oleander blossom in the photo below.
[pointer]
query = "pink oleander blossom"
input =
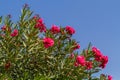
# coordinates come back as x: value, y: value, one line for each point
x: 80, y: 60
x: 110, y: 77
x: 104, y: 61
x: 48, y: 42
x: 88, y: 65
x: 40, y: 25
x: 76, y: 64
x: 77, y: 46
x: 70, y: 30
x: 14, y: 33
x: 98, y: 55
x: 55, y: 29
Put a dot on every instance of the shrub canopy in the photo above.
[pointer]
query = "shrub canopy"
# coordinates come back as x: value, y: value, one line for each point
x: 30, y: 50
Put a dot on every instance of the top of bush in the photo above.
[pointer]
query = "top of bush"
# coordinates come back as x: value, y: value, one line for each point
x: 30, y: 50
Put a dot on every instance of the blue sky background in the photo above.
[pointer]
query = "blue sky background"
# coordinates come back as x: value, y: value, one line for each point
x: 96, y: 21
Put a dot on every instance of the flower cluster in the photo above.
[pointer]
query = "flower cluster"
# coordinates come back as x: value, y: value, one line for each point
x: 70, y: 30
x: 48, y: 42
x: 14, y: 33
x: 100, y: 57
x: 88, y: 65
x: 39, y: 24
x: 55, y: 29
x: 80, y: 60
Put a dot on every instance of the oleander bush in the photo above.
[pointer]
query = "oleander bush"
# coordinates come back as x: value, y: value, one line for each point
x: 31, y: 51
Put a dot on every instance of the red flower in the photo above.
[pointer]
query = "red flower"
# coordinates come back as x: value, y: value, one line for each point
x: 40, y: 25
x: 48, y: 42
x: 40, y: 20
x: 77, y: 46
x: 80, y: 60
x: 104, y: 61
x: 76, y: 64
x: 14, y: 33
x: 109, y: 77
x: 70, y: 30
x: 98, y: 55
x: 95, y: 50
x: 55, y: 29
x: 34, y: 17
x: 88, y: 65
x: 3, y: 28
x: 102, y: 65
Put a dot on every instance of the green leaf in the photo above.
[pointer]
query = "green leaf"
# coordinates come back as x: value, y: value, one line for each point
x: 0, y: 19
x: 24, y: 44
x: 26, y: 37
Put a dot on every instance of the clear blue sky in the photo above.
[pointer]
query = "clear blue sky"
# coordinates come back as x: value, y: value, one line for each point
x: 96, y: 21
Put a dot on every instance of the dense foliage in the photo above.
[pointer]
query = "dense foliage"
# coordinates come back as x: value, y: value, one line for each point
x: 31, y: 51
